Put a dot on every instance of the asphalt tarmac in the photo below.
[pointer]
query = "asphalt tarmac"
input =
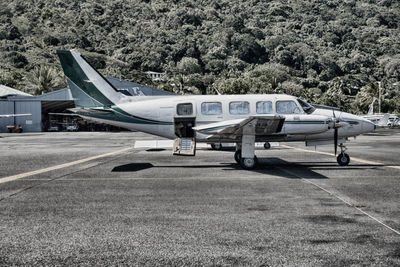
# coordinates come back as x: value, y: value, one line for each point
x: 95, y: 199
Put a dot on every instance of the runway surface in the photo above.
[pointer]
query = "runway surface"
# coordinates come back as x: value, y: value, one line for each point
x: 110, y: 199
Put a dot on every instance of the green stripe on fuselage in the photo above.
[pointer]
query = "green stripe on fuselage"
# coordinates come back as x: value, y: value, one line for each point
x: 305, y: 122
x: 137, y: 119
x: 117, y: 116
x: 352, y: 122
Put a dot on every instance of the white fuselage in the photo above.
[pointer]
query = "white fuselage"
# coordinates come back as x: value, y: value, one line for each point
x: 298, y: 126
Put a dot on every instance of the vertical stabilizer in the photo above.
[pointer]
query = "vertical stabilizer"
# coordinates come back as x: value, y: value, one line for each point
x: 88, y: 87
x: 371, y: 108
x: 384, y: 120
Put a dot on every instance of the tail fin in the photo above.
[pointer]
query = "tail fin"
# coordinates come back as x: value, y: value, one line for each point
x: 384, y: 120
x: 88, y: 87
x: 371, y: 108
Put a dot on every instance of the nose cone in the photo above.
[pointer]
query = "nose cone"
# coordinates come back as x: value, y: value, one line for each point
x: 367, y: 126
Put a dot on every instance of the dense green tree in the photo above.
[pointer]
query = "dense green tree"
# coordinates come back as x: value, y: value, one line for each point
x: 188, y: 65
x: 300, y: 47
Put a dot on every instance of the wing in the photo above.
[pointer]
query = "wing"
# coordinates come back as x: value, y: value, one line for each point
x: 232, y: 129
x: 13, y: 115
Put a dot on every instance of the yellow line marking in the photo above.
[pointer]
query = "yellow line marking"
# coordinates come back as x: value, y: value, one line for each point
x: 87, y: 179
x: 68, y: 164
x: 352, y: 158
x: 110, y: 179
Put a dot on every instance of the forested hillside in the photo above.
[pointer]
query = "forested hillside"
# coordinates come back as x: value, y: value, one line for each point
x: 323, y: 50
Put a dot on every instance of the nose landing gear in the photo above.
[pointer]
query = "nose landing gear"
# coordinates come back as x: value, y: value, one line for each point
x: 343, y: 159
x: 267, y: 145
x: 216, y: 146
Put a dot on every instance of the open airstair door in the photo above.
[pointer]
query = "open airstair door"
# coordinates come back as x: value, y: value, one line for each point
x: 184, y: 121
x: 185, y: 143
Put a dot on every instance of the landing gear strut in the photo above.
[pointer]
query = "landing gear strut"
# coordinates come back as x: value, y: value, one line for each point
x: 238, y: 156
x: 343, y: 159
x: 244, y: 154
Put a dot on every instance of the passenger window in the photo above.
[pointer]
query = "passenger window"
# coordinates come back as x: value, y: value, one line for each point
x: 287, y: 107
x: 264, y: 107
x: 239, y: 107
x: 184, y: 109
x: 211, y: 108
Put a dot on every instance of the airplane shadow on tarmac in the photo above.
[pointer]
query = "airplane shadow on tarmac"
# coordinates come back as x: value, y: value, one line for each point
x: 282, y: 168
x: 268, y: 166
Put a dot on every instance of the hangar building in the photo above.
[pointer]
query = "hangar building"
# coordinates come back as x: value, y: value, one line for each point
x: 16, y: 102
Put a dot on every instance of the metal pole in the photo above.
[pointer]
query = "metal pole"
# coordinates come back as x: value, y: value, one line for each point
x: 379, y: 97
x: 14, y: 113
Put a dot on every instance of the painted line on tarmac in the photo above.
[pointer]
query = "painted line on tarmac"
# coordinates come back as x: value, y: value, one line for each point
x: 111, y: 179
x: 257, y: 178
x: 65, y: 165
x: 341, y: 199
x: 352, y: 158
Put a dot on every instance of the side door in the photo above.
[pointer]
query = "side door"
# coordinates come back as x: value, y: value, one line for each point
x: 184, y: 121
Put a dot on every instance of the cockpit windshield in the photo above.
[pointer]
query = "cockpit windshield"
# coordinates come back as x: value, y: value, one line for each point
x: 306, y: 107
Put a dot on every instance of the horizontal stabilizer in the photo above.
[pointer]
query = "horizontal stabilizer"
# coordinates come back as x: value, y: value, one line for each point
x: 14, y: 115
x: 93, y: 111
x: 63, y: 114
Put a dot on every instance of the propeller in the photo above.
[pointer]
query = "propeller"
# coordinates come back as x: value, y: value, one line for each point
x: 335, y: 134
x: 335, y: 124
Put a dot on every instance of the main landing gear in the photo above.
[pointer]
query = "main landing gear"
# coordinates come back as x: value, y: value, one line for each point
x: 244, y: 154
x: 343, y: 159
x: 245, y: 163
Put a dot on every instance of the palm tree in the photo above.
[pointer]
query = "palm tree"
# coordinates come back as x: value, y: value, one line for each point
x: 367, y: 95
x: 44, y: 79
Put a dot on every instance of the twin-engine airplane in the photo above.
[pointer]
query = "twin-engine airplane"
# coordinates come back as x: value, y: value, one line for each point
x: 240, y: 119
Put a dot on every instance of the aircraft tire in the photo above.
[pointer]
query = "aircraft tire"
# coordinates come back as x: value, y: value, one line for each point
x: 248, y: 163
x: 343, y: 159
x: 238, y: 156
x: 267, y: 145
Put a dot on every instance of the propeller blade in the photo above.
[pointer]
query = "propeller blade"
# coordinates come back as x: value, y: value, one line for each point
x: 335, y: 133
x: 336, y: 140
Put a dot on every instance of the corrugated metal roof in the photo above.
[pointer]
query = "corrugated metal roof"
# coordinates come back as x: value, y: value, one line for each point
x: 136, y: 89
x: 59, y: 95
x: 8, y: 91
